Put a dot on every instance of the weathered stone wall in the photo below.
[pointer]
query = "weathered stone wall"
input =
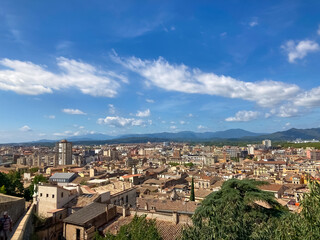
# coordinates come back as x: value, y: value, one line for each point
x: 13, y: 205
x: 25, y: 228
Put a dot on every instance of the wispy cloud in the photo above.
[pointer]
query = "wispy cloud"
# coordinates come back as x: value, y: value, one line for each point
x: 31, y: 79
x: 287, y: 110
x: 149, y: 100
x: 73, y: 111
x: 254, y: 22
x: 112, y: 109
x: 120, y: 122
x: 145, y: 113
x: 243, y: 116
x: 63, y: 45
x: 299, y: 50
x: 25, y: 128
x: 67, y: 133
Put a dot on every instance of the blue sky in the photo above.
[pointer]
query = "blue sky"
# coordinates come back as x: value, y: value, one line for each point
x: 70, y: 68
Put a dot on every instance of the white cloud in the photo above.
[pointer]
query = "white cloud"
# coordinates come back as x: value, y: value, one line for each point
x: 31, y: 79
x: 308, y: 98
x: 181, y: 78
x: 73, y: 111
x: 318, y: 29
x: 120, y: 121
x: 145, y: 113
x: 223, y: 34
x: 149, y: 100
x: 190, y: 115
x: 299, y: 50
x: 52, y: 116
x: 112, y: 109
x: 287, y: 110
x: 69, y: 133
x: 243, y: 116
x: 25, y: 128
x: 201, y: 127
x: 254, y: 22
x: 173, y: 127
x: 63, y: 45
x: 182, y: 122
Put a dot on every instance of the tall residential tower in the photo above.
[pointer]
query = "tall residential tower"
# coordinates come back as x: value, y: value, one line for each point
x: 64, y: 151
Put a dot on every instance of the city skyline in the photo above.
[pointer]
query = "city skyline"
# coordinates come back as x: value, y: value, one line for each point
x: 70, y: 69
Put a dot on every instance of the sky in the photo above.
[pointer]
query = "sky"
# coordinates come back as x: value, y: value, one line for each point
x: 72, y: 68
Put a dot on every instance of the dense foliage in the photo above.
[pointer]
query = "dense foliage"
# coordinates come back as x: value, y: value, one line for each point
x: 36, y: 180
x: 295, y: 226
x: 139, y: 228
x: 11, y: 184
x: 233, y: 212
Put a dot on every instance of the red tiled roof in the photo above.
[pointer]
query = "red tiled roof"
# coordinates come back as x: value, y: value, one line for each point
x: 271, y: 187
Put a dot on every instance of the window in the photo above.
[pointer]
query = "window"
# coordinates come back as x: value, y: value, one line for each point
x: 47, y: 195
x: 52, y: 195
x: 62, y: 196
x: 77, y: 234
x: 40, y: 194
x: 127, y: 199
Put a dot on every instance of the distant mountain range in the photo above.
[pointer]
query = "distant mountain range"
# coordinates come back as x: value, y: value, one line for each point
x: 232, y: 135
x: 188, y: 135
x: 294, y: 133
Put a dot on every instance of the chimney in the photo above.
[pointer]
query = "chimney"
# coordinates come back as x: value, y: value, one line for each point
x: 107, y: 213
x: 125, y: 211
x: 175, y: 218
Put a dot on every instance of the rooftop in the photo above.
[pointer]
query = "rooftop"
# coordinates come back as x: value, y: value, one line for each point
x: 62, y: 175
x: 84, y: 215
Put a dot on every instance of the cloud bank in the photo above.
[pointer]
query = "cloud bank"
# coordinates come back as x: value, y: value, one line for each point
x: 32, y: 79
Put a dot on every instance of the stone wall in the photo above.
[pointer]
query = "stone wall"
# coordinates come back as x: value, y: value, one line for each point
x: 15, y: 206
x: 25, y: 228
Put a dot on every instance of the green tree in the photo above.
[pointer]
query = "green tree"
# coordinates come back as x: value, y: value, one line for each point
x: 192, y: 196
x: 232, y: 212
x: 3, y: 189
x: 174, y: 164
x: 36, y: 180
x: 12, y: 183
x: 294, y: 226
x: 34, y: 170
x: 139, y: 228
x: 190, y: 164
x: 16, y: 182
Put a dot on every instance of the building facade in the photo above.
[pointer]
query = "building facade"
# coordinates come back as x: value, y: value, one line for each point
x: 64, y: 151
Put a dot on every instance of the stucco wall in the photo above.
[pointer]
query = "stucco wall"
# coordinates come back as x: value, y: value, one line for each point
x: 120, y: 198
x: 50, y: 198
